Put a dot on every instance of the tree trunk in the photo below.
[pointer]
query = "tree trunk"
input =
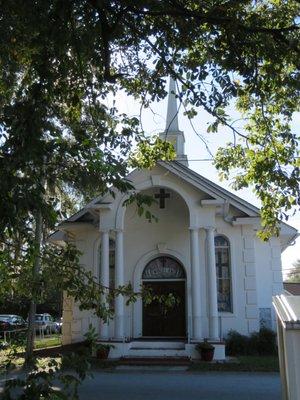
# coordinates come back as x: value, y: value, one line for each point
x: 36, y: 270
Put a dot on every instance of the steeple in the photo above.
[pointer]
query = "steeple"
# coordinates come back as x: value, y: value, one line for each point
x: 172, y: 132
x: 172, y: 111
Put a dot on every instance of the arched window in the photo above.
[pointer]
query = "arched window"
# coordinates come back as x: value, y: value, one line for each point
x: 163, y: 268
x: 222, y: 251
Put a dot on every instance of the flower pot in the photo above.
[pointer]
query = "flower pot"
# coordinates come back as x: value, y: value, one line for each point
x: 102, y: 354
x: 207, y: 354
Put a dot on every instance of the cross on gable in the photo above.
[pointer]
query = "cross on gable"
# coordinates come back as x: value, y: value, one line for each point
x: 162, y: 195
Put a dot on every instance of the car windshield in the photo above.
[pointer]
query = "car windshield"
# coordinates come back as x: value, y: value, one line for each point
x: 5, y: 318
x: 39, y: 318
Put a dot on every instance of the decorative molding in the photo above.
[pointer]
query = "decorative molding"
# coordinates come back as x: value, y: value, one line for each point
x: 161, y: 247
x: 118, y: 230
x: 212, y: 202
x: 209, y: 228
x: 195, y: 228
x: 246, y: 221
x: 155, y: 179
x: 70, y: 227
x: 103, y: 206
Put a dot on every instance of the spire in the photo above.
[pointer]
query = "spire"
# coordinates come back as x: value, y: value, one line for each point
x: 172, y: 133
x: 172, y: 112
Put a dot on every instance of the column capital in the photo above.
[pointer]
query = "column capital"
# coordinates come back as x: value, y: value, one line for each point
x: 210, y: 228
x: 104, y: 230
x: 118, y: 230
x: 194, y: 228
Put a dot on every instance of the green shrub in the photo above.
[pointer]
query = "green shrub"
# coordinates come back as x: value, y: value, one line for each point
x: 262, y: 342
x: 236, y: 343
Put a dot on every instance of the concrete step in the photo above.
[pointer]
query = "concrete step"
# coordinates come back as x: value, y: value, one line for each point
x: 139, y: 344
x: 154, y: 361
x: 156, y: 352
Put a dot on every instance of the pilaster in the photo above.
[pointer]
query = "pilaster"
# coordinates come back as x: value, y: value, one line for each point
x: 68, y: 306
x: 276, y: 266
x: 251, y: 307
x: 212, y: 284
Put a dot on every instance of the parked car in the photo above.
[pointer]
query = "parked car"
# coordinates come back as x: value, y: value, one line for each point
x: 59, y: 323
x: 10, y: 322
x: 45, y: 323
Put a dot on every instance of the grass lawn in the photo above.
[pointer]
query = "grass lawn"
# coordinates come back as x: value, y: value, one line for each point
x: 241, y: 363
x: 18, y: 359
x: 236, y: 364
x: 53, y: 340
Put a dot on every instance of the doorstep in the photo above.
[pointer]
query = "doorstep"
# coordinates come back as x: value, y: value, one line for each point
x: 159, y: 361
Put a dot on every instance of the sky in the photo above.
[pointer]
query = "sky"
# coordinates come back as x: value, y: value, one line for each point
x: 154, y: 122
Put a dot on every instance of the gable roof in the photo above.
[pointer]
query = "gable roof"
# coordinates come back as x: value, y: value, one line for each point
x: 201, y: 183
x: 193, y: 178
x: 213, y: 189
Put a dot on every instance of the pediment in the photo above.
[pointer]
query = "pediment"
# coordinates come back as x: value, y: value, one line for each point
x: 209, y: 194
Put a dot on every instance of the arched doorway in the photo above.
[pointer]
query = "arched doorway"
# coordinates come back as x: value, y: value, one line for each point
x: 165, y: 275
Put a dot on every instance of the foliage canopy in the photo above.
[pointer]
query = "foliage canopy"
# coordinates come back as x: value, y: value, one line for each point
x: 60, y: 59
x: 293, y: 275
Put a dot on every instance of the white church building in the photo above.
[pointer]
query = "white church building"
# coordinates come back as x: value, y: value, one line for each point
x: 203, y: 249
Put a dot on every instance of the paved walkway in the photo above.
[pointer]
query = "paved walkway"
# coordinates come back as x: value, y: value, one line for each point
x: 163, y: 385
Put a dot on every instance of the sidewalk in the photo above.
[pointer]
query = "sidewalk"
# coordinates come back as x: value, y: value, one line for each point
x: 180, y: 385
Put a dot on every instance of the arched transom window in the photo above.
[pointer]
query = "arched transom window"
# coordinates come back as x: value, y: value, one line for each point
x: 163, y: 268
x: 222, y: 251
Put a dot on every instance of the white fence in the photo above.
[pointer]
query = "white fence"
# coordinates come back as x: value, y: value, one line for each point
x: 40, y: 333
x: 7, y: 335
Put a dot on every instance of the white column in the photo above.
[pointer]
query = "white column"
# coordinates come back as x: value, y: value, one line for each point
x: 212, y: 285
x: 104, y: 278
x: 196, y: 291
x: 119, y: 281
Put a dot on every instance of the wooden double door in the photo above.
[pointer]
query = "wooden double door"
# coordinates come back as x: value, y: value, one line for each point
x: 162, y: 321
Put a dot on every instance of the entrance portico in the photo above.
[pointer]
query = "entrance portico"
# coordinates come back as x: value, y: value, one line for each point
x: 198, y: 262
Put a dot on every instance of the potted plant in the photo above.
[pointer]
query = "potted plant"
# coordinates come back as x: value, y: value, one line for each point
x: 91, y: 338
x: 99, y: 350
x: 206, y: 350
x: 103, y: 350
